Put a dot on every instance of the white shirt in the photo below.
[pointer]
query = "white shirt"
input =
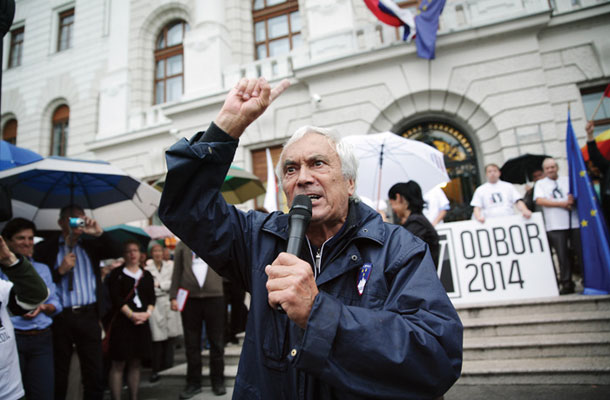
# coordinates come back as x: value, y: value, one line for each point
x: 555, y: 218
x: 200, y: 269
x: 496, y: 199
x: 435, y: 201
x: 10, y: 374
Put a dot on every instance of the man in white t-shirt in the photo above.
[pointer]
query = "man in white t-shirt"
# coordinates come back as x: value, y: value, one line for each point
x: 496, y: 198
x: 560, y: 220
x: 436, y: 205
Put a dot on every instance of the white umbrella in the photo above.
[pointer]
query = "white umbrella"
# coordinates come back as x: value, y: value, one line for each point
x: 386, y: 158
x: 106, y: 193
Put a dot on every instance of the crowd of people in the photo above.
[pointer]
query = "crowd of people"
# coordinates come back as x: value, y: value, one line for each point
x: 116, y: 315
x: 309, y: 313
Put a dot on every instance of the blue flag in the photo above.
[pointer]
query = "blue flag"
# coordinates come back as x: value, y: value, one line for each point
x: 593, y: 230
x: 426, y: 26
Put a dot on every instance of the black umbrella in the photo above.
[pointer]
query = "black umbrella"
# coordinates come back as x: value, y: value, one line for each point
x: 520, y: 169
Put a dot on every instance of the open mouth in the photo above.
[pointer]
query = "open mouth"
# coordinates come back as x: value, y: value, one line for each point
x: 313, y: 197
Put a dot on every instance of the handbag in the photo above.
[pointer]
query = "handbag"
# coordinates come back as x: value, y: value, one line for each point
x: 108, y: 325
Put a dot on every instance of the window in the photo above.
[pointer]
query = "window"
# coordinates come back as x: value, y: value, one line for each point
x: 169, y: 62
x: 66, y: 24
x: 9, y: 131
x: 590, y: 99
x: 59, y: 131
x: 14, y: 58
x: 277, y: 27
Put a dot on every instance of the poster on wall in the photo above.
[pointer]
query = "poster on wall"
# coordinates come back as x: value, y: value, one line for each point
x: 505, y: 258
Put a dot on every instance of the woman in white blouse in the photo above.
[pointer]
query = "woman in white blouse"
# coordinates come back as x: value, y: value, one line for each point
x: 165, y: 324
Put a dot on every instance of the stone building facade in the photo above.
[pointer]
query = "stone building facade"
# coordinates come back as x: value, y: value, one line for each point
x: 504, y: 74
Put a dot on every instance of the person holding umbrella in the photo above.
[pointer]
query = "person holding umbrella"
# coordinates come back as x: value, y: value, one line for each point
x: 75, y: 265
x: 407, y: 202
x: 496, y: 198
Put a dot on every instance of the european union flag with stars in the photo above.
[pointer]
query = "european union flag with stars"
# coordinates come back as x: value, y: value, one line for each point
x: 593, y: 230
x: 426, y: 26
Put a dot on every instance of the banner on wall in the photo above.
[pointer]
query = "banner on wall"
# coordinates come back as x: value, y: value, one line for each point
x: 505, y: 258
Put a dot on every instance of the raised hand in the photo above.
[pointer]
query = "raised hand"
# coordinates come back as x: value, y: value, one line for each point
x: 6, y: 255
x: 246, y: 101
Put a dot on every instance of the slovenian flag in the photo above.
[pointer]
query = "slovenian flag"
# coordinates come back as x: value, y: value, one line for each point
x: 388, y: 12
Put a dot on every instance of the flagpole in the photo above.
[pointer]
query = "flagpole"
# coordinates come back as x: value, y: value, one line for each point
x: 604, y: 94
x: 597, y: 108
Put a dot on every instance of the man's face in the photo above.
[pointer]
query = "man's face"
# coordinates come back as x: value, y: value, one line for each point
x: 22, y: 243
x: 132, y: 254
x: 550, y: 169
x: 311, y: 166
x: 399, y: 206
x: 492, y: 173
x: 64, y: 223
x: 537, y: 175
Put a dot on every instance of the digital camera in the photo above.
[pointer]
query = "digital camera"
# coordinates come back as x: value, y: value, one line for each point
x: 77, y: 222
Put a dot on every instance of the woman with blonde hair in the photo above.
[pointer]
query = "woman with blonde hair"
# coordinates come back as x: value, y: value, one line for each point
x: 165, y: 324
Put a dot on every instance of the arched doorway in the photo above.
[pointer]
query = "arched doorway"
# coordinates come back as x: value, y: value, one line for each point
x: 460, y: 161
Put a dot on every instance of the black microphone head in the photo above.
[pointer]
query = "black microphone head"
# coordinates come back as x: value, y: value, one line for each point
x: 301, y: 205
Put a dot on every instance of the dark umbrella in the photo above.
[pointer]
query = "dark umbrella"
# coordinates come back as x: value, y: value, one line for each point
x: 520, y: 169
x: 121, y: 233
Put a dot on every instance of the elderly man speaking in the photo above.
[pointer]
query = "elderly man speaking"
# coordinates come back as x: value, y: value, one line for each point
x: 360, y: 313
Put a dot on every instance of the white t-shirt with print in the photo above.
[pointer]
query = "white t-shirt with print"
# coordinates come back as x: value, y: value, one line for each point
x: 496, y: 199
x: 435, y: 201
x: 555, y: 218
x: 10, y: 374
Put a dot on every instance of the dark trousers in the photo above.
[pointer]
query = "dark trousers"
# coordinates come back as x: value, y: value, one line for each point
x: 559, y: 240
x: 82, y: 330
x: 162, y: 355
x: 36, y: 363
x: 210, y: 310
x: 235, y: 321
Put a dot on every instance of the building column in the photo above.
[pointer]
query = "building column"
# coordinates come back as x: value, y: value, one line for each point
x: 206, y: 49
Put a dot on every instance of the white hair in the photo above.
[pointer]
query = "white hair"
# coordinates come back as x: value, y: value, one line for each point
x: 349, y: 163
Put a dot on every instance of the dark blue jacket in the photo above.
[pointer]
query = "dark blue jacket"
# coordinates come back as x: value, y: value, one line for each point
x: 401, y: 338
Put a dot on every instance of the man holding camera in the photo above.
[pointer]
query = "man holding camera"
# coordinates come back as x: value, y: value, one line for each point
x: 75, y: 266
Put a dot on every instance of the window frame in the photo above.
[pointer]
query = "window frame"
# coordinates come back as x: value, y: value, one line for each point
x: 166, y: 53
x: 61, y: 18
x: 605, y: 122
x: 12, y: 63
x: 64, y: 122
x: 268, y: 12
x: 13, y: 138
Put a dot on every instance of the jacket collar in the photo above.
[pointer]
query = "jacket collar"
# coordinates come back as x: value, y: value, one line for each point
x: 367, y: 221
x: 362, y: 224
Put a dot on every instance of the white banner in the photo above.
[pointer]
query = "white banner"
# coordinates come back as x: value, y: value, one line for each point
x: 505, y: 258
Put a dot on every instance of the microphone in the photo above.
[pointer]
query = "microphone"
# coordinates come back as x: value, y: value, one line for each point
x: 300, y: 215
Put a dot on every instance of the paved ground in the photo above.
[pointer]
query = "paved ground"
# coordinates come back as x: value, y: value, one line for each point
x: 162, y: 391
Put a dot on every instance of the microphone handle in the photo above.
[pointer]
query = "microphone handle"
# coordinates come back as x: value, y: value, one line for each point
x: 298, y: 225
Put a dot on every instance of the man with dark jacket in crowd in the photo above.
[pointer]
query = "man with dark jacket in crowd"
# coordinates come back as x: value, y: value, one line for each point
x: 363, y: 314
x: 75, y: 265
x: 204, y: 303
